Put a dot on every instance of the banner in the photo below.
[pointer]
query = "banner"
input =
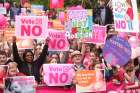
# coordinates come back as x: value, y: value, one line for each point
x: 58, y: 74
x: 98, y: 35
x: 117, y: 51
x: 126, y: 15
x: 58, y: 40
x: 79, y: 23
x: 19, y: 84
x: 90, y: 81
x: 31, y: 26
x: 56, y: 3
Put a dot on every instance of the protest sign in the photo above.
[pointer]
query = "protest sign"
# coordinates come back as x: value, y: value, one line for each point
x: 117, y: 51
x: 79, y: 23
x: 125, y: 15
x: 58, y: 40
x: 98, y: 35
x: 31, y: 26
x: 56, y: 3
x: 90, y: 81
x: 58, y: 74
x: 19, y: 84
x: 25, y: 44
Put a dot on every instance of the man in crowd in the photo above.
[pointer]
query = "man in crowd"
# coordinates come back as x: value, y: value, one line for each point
x: 77, y: 60
x: 102, y: 14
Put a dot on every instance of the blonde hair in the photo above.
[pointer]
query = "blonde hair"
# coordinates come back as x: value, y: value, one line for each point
x: 12, y: 63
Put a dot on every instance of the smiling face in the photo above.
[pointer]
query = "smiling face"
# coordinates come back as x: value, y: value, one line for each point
x: 77, y: 59
x: 29, y: 57
x: 12, y: 71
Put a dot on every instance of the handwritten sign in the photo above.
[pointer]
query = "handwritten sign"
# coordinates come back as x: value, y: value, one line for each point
x: 31, y: 26
x: 58, y: 40
x: 79, y: 23
x: 125, y: 15
x: 90, y: 81
x: 117, y: 51
x: 58, y: 74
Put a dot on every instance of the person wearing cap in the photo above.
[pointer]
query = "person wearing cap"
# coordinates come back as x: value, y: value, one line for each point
x: 77, y: 60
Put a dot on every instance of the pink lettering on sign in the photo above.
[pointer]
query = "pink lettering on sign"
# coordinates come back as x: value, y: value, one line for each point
x: 54, y: 43
x: 28, y: 30
x: 58, y: 41
x: 99, y: 34
x: 120, y: 24
x: 31, y: 26
x: 58, y: 74
x: 31, y: 21
x: 56, y: 78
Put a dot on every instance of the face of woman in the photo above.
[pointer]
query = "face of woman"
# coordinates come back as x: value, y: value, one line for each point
x: 53, y: 61
x: 29, y: 57
x: 92, y: 56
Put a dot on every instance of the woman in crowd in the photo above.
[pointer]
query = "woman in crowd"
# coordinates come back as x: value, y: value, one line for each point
x: 28, y: 66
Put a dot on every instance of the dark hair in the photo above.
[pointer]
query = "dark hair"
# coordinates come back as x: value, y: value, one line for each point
x: 27, y: 51
x: 3, y: 53
x: 57, y: 55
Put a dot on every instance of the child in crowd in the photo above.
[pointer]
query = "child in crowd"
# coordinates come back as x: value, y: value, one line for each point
x: 13, y: 70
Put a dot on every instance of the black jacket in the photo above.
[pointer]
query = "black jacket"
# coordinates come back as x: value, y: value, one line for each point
x: 97, y: 16
x: 35, y: 65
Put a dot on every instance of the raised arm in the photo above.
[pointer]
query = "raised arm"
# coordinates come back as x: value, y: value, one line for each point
x: 16, y: 56
x: 43, y: 54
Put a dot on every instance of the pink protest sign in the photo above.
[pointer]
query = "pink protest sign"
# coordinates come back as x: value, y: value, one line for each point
x: 31, y: 26
x: 56, y: 3
x: 58, y: 40
x: 58, y: 74
x: 98, y: 35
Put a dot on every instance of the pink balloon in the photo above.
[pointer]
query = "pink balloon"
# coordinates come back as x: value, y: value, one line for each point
x: 133, y: 41
x: 7, y: 5
x: 54, y: 1
x: 123, y: 35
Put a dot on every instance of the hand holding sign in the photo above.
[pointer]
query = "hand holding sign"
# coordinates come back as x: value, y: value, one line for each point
x: 47, y: 40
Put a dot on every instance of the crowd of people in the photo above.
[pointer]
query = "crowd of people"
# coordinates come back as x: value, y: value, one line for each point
x: 81, y: 55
